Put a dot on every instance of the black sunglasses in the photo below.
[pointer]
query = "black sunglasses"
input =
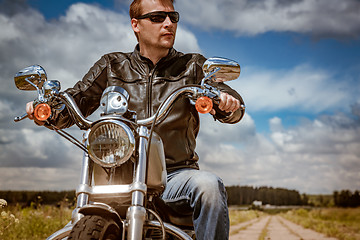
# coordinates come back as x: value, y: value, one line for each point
x: 160, y: 16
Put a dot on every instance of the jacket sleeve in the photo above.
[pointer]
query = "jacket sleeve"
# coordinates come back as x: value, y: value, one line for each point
x: 222, y: 116
x: 86, y: 93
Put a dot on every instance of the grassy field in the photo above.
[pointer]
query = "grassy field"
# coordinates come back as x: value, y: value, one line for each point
x: 38, y: 222
x: 32, y: 223
x: 342, y: 223
x: 239, y: 216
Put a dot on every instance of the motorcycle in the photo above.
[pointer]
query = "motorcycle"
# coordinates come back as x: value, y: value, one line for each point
x: 123, y: 170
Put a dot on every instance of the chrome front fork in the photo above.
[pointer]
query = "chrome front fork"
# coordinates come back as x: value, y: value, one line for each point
x: 136, y: 213
x: 83, y: 198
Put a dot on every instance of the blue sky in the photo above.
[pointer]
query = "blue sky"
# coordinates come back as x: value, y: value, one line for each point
x: 300, y: 80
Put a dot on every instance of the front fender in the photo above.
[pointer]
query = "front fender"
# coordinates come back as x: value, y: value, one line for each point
x: 101, y: 209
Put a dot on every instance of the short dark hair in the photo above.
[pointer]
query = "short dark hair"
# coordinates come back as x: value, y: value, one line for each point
x: 135, y: 7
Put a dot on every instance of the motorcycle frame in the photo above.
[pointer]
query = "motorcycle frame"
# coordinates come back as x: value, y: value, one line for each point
x: 136, y: 214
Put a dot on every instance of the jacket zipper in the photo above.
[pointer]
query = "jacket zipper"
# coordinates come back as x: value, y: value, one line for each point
x: 149, y: 92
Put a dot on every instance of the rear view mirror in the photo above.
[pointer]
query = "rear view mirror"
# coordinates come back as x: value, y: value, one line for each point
x: 221, y: 69
x: 30, y: 78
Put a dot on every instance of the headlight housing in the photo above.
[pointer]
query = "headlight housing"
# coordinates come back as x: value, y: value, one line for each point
x: 111, y: 143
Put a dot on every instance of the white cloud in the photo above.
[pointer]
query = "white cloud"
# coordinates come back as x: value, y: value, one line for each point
x: 275, y: 124
x: 37, y: 179
x: 38, y: 147
x: 247, y: 17
x: 186, y: 41
x: 317, y: 156
x: 300, y: 89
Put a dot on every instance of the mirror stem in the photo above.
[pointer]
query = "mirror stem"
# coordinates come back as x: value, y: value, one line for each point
x: 32, y: 84
x: 40, y: 93
x: 210, y: 75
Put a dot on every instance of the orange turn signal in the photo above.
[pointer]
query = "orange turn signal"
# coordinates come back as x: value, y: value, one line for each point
x: 203, y: 105
x: 42, y: 111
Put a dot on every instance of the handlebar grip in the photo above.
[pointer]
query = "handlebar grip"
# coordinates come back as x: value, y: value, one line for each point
x: 18, y: 119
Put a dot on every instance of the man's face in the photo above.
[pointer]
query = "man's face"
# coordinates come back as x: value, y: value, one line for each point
x: 152, y: 34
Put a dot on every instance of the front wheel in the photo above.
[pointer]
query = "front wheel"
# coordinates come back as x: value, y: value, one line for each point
x: 95, y: 228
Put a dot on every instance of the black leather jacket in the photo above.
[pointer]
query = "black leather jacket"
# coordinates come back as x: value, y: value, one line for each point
x: 148, y: 86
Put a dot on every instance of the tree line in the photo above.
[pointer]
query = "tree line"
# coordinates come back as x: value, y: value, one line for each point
x: 28, y: 198
x: 237, y: 195
x: 246, y: 195
x: 347, y: 198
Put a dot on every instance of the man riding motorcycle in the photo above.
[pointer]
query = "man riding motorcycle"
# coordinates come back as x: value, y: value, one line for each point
x: 149, y: 73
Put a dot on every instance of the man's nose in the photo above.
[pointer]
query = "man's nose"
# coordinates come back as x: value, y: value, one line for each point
x: 167, y: 21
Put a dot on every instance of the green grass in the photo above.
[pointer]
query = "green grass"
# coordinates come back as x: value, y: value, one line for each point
x: 32, y: 223
x: 239, y: 216
x: 341, y: 223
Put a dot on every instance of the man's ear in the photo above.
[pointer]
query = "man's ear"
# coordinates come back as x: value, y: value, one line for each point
x: 135, y: 25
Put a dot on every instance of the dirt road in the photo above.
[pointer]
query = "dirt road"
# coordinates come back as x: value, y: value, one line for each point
x: 273, y: 228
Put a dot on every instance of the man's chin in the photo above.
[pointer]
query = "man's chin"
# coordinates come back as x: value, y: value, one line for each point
x: 167, y: 43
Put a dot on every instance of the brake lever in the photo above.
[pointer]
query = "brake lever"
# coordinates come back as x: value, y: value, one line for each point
x: 22, y: 117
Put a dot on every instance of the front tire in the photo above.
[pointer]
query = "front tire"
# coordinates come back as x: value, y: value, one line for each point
x: 95, y: 228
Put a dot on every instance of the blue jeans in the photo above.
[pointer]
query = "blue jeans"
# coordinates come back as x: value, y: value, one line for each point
x: 206, y: 195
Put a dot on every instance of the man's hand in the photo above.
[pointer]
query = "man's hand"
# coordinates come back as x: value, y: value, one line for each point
x: 30, y: 112
x: 227, y: 103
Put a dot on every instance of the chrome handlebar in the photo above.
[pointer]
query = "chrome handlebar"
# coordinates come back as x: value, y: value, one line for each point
x: 22, y: 117
x: 83, y: 123
x: 161, y: 113
x: 70, y: 103
x: 165, y: 106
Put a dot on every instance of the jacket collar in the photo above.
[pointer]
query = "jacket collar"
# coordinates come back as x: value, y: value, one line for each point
x: 147, y: 61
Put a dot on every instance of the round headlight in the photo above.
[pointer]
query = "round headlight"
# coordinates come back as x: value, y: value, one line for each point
x: 111, y: 143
